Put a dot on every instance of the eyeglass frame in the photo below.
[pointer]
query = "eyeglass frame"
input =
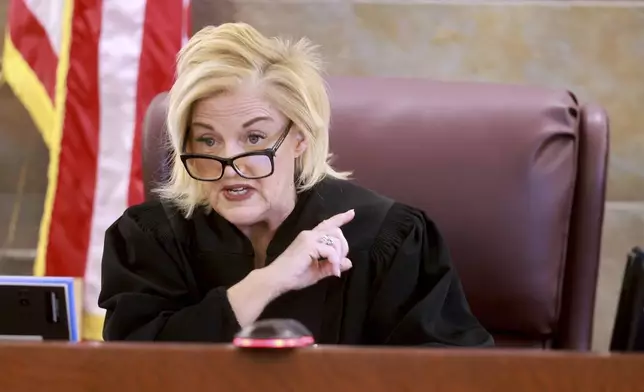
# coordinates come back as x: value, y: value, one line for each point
x: 268, y: 152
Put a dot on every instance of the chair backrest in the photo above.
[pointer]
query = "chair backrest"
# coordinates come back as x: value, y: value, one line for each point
x: 513, y: 175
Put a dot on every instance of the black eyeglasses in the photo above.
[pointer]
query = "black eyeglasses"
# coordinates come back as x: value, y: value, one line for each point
x: 250, y: 165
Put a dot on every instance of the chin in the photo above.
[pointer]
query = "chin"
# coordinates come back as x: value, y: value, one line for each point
x: 243, y: 215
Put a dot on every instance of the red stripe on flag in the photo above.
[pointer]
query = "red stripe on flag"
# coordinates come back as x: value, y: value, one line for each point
x: 31, y: 40
x: 162, y: 36
x: 69, y: 230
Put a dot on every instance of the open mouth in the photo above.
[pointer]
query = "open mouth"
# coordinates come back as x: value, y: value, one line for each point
x: 238, y: 191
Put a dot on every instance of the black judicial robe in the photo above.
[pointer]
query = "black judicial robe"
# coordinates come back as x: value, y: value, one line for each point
x: 164, y: 277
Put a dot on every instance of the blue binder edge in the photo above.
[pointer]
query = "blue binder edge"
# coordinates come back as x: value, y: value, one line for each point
x: 69, y: 288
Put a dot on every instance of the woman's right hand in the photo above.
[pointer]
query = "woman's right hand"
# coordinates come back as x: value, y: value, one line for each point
x: 313, y: 255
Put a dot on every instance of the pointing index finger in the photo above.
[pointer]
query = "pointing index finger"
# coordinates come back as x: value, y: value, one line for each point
x: 338, y: 220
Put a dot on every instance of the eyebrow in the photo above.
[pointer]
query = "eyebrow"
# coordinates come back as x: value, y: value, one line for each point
x: 256, y: 119
x: 244, y: 125
x: 202, y: 125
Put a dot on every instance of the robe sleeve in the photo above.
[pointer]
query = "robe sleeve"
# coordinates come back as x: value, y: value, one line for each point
x: 417, y: 298
x: 145, y: 286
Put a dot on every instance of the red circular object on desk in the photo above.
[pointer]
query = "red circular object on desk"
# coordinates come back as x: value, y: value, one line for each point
x: 274, y: 343
x: 274, y: 333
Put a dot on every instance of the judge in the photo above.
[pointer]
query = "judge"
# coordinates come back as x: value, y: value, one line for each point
x: 255, y: 223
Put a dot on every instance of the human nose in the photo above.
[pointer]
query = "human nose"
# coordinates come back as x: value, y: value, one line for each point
x: 230, y: 150
x: 229, y: 172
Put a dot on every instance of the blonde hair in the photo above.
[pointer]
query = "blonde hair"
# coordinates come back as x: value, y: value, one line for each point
x: 219, y: 59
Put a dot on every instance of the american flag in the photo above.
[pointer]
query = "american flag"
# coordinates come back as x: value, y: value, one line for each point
x: 86, y: 70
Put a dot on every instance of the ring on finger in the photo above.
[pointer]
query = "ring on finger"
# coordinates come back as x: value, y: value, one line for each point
x: 326, y: 240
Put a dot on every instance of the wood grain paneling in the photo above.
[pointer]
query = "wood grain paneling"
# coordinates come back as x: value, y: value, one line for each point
x: 122, y: 367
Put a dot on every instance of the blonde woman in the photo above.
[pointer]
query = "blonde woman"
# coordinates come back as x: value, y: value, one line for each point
x: 255, y: 223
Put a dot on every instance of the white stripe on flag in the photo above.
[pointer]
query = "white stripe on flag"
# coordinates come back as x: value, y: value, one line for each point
x: 49, y: 13
x: 185, y: 31
x: 119, y: 53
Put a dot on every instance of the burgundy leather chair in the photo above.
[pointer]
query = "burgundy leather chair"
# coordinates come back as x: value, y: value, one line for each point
x: 513, y: 175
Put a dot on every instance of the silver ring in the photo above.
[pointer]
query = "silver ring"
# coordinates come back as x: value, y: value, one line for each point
x: 326, y: 240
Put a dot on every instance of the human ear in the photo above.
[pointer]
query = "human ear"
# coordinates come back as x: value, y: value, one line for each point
x: 300, y: 144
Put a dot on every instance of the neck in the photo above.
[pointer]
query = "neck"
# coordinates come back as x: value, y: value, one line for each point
x: 262, y: 232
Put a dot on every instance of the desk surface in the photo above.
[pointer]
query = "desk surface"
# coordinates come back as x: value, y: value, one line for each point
x: 151, y: 367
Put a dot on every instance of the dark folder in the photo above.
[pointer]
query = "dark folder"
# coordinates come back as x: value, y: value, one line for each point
x: 628, y: 330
